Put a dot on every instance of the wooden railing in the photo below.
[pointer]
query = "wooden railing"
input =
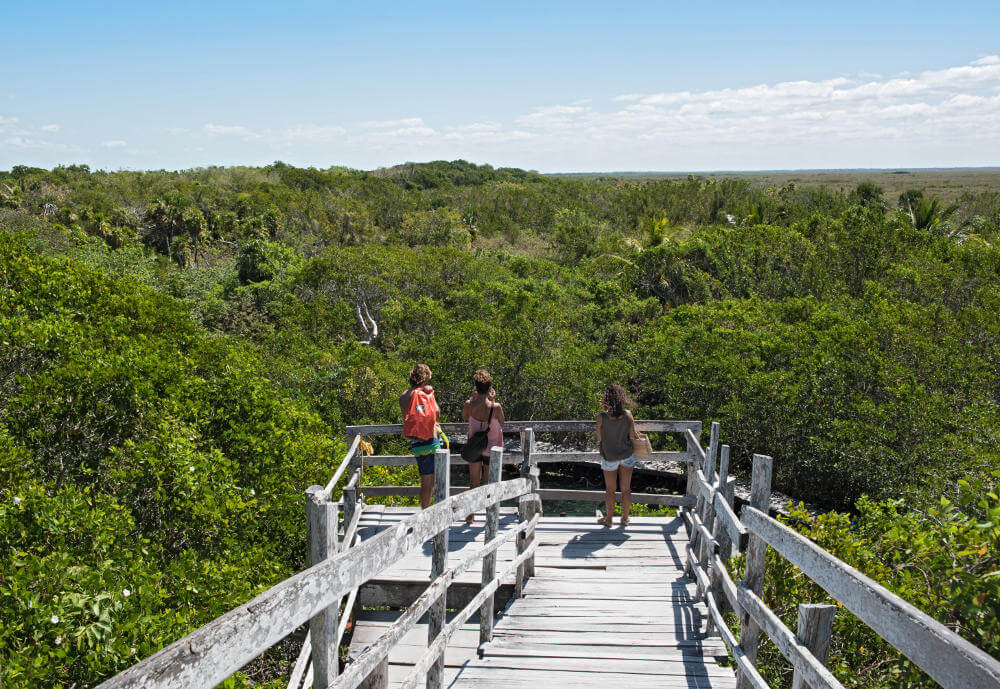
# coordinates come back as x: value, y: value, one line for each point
x: 340, y: 563
x: 528, y: 455
x: 214, y: 652
x: 714, y: 530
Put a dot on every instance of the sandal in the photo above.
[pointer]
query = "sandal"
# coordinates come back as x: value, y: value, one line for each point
x: 607, y: 521
x: 625, y: 521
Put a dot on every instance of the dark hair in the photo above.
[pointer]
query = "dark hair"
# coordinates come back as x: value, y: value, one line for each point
x: 615, y: 399
x: 420, y: 375
x: 483, y: 381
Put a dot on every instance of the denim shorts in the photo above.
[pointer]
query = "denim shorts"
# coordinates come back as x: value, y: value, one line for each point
x: 613, y: 466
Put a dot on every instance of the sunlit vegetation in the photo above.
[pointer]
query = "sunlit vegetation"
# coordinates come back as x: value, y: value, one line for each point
x: 182, y: 351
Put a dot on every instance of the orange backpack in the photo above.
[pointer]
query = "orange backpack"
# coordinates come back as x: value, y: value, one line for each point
x: 421, y: 418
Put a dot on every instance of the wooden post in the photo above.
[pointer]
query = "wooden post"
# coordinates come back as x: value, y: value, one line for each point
x: 753, y: 579
x: 693, y: 466
x: 721, y: 533
x: 707, y: 510
x: 379, y: 677
x: 527, y: 507
x: 487, y: 612
x: 439, y: 562
x: 815, y: 629
x: 350, y: 498
x: 322, y: 529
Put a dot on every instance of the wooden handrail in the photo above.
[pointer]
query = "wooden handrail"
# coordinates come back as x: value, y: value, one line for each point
x: 515, y: 457
x: 212, y: 653
x: 950, y: 660
x: 346, y: 462
x: 538, y: 426
x: 379, y: 649
x: 435, y: 649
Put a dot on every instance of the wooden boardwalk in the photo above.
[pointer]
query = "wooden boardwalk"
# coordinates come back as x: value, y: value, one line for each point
x: 606, y: 607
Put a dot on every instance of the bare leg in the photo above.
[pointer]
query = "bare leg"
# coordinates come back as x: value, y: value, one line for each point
x: 426, y: 490
x: 625, y: 474
x: 475, y: 479
x: 610, y: 486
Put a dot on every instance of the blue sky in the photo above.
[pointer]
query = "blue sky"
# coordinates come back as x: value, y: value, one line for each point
x: 547, y: 86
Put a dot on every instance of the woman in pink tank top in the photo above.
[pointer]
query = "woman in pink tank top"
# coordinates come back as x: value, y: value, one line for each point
x: 483, y: 412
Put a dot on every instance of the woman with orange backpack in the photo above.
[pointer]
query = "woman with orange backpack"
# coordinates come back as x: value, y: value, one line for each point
x: 420, y: 427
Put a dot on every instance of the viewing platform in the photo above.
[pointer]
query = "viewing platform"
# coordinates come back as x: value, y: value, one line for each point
x: 526, y: 599
x: 605, y: 605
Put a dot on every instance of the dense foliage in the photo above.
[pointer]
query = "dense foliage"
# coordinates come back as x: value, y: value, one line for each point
x: 181, y: 350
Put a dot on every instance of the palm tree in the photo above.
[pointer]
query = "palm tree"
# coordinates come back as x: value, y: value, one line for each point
x: 929, y: 214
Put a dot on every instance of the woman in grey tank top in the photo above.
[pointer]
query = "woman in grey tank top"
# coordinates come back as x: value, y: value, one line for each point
x: 615, y: 430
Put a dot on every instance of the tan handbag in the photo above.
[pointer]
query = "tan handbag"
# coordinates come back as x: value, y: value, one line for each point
x: 641, y: 447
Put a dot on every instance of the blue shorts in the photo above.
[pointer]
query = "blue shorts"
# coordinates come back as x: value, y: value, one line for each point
x: 628, y: 462
x: 425, y: 460
x: 425, y: 464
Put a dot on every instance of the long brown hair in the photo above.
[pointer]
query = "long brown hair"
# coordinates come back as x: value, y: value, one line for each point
x: 616, y: 400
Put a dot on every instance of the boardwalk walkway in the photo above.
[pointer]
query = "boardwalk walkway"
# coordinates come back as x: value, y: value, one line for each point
x: 606, y: 607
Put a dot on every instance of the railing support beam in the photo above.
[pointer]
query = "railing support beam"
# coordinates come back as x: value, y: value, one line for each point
x: 527, y: 507
x: 439, y: 562
x: 815, y: 630
x: 760, y: 497
x: 487, y: 612
x: 322, y: 530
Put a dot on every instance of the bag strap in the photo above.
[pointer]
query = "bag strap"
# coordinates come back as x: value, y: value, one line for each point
x: 490, y: 419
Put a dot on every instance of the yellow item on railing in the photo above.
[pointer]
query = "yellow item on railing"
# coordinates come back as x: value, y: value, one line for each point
x: 366, y: 448
x: 440, y: 433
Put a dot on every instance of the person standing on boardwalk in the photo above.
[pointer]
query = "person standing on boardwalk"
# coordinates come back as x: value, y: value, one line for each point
x: 484, y: 414
x: 615, y: 431
x: 420, y: 426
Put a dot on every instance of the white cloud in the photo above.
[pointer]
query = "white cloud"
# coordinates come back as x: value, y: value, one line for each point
x: 51, y: 128
x: 410, y: 122
x: 114, y: 143
x: 312, y: 132
x: 176, y: 131
x: 230, y: 130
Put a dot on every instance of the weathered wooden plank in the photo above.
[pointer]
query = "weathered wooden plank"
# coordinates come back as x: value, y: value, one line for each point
x: 538, y: 426
x: 630, y: 666
x: 753, y: 578
x: 433, y: 595
x: 488, y: 611
x: 594, y: 457
x: 679, y: 629
x: 723, y: 583
x: 747, y: 673
x: 727, y: 517
x: 812, y: 670
x: 815, y: 630
x: 322, y: 533
x: 950, y: 660
x: 377, y: 678
x: 439, y: 562
x: 598, y: 496
x: 513, y: 457
x: 438, y: 642
x: 210, y: 654
x: 474, y: 676
x: 522, y: 648
x: 602, y: 638
x: 397, y: 593
x: 346, y: 462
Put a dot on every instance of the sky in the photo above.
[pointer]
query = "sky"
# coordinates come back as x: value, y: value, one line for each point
x: 548, y: 86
